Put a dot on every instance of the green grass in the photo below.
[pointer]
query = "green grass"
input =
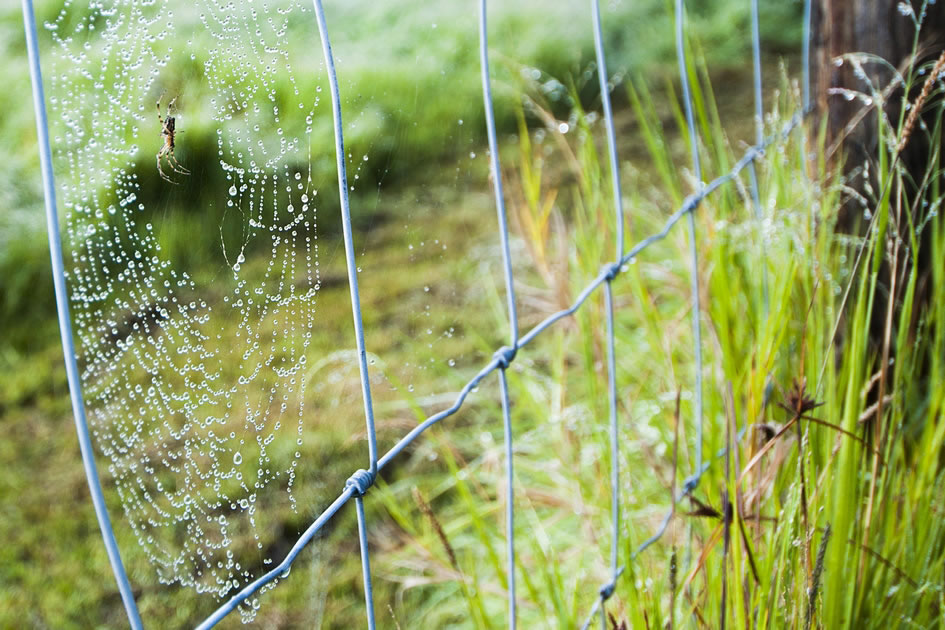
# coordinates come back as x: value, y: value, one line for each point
x: 434, y: 310
x: 881, y: 566
x: 409, y: 75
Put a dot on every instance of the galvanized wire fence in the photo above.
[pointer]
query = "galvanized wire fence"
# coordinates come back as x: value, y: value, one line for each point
x: 359, y: 484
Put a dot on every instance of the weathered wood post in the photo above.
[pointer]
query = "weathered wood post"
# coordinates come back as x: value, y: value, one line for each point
x: 883, y: 28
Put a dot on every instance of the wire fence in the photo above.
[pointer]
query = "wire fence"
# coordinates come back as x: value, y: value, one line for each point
x: 359, y: 483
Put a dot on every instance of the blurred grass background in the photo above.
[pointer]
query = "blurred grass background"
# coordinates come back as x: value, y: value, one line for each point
x: 432, y: 302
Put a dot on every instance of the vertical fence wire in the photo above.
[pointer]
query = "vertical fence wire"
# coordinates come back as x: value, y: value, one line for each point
x: 693, y: 249
x: 510, y: 496
x: 65, y: 321
x: 608, y: 589
x: 365, y: 562
x: 806, y: 104
x: 756, y: 68
x: 346, y: 233
x: 608, y: 121
x: 363, y: 479
x: 504, y: 355
x: 496, y: 173
x: 759, y: 220
x: 759, y: 137
x: 805, y: 57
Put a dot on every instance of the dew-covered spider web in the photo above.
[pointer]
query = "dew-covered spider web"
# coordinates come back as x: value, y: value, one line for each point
x: 186, y: 399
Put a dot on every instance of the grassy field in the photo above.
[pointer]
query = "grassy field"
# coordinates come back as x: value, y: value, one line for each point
x: 835, y: 525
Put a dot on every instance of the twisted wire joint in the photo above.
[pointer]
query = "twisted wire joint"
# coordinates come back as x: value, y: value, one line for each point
x: 611, y: 270
x: 361, y: 481
x: 505, y: 355
x: 607, y: 590
x: 690, y: 484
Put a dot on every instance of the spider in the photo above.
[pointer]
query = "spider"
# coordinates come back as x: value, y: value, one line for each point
x: 168, y: 131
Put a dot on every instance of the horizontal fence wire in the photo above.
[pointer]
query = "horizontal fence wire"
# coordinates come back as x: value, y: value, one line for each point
x: 361, y: 481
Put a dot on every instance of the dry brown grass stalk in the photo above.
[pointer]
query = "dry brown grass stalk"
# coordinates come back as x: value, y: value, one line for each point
x: 437, y: 527
x: 920, y: 102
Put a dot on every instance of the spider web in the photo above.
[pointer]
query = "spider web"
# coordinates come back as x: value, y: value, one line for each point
x: 186, y: 399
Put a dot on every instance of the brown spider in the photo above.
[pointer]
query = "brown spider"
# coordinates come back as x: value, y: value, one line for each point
x: 168, y: 131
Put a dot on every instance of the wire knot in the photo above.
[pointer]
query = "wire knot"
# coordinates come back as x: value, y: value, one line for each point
x: 690, y: 484
x: 505, y: 355
x: 611, y: 270
x: 607, y: 590
x: 361, y: 481
x: 691, y: 203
